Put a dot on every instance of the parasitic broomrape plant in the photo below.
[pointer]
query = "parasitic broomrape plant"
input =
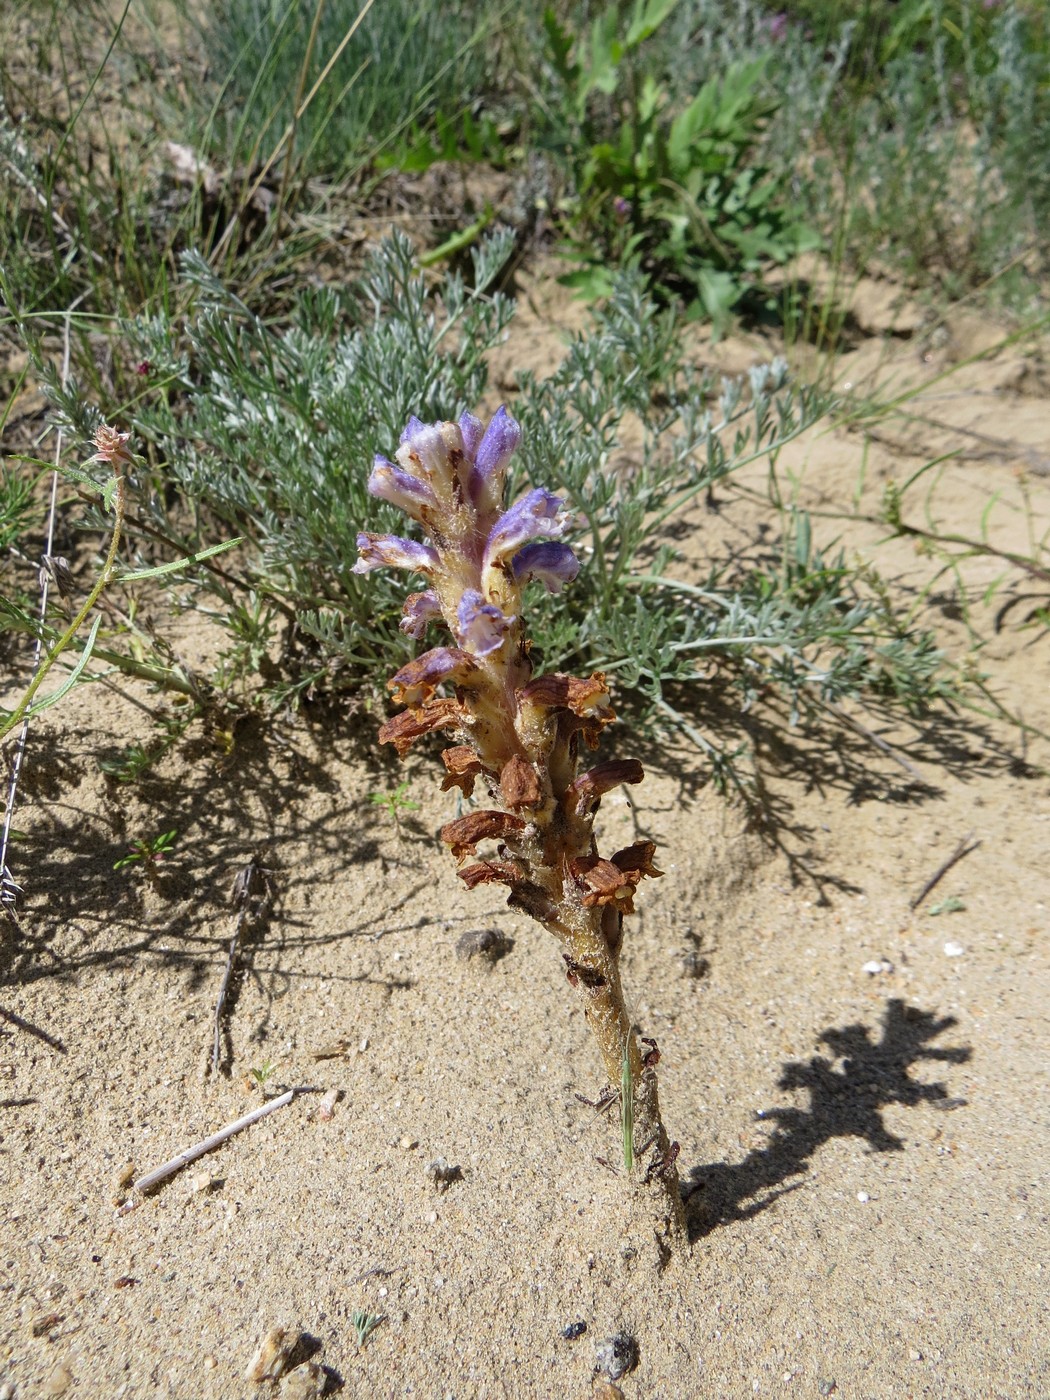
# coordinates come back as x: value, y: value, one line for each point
x: 522, y: 737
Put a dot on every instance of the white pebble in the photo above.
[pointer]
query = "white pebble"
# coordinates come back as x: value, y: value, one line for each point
x: 863, y: 1197
x: 876, y: 966
x: 953, y: 950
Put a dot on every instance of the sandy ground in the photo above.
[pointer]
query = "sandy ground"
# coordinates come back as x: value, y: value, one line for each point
x: 858, y: 1086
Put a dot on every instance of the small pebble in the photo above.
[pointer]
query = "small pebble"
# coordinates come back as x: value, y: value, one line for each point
x: 210, y: 1363
x: 863, y: 1197
x: 914, y: 1354
x: 7, y: 1390
x: 487, y: 944
x: 200, y: 1182
x: 574, y: 1330
x: 877, y: 966
x: 443, y: 1175
x: 617, y: 1355
x: 407, y: 1144
x: 605, y: 1390
x: 58, y: 1382
x: 271, y: 1355
x: 304, y: 1383
x: 826, y: 1387
x: 953, y: 950
x: 326, y: 1107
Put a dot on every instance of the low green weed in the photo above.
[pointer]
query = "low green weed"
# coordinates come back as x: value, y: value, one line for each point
x: 681, y: 195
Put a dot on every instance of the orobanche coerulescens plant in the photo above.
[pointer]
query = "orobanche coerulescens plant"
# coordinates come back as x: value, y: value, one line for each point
x: 522, y: 737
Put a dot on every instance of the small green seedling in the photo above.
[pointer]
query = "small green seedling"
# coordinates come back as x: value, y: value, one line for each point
x: 148, y: 854
x: 952, y: 905
x: 263, y: 1072
x: 395, y: 802
x: 364, y: 1324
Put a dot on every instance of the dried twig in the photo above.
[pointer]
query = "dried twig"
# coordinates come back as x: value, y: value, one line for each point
x: 962, y: 849
x: 198, y: 1149
x: 9, y: 887
x: 250, y: 898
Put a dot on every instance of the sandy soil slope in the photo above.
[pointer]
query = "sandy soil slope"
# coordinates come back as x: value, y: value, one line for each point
x: 858, y: 1086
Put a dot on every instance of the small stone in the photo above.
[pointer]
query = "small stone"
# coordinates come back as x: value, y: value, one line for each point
x: 605, y: 1390
x: 326, y: 1107
x: 200, y: 1182
x: 271, y: 1355
x: 863, y: 1197
x: 59, y: 1381
x: 406, y: 1143
x: 877, y: 967
x: 617, y: 1355
x: 210, y: 1363
x: 574, y: 1330
x: 914, y: 1354
x: 443, y: 1174
x: 953, y: 950
x: 486, y: 944
x: 7, y: 1390
x: 306, y: 1382
x: 826, y: 1387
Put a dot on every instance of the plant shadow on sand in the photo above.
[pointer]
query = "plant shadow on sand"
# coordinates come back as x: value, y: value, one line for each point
x: 845, y: 1101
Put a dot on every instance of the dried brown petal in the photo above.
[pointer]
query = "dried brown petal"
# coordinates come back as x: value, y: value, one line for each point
x: 606, y: 883
x: 404, y: 729
x: 637, y: 860
x: 587, y: 698
x: 589, y: 787
x: 463, y: 767
x: 519, y: 784
x: 417, y: 681
x: 464, y: 833
x: 504, y: 872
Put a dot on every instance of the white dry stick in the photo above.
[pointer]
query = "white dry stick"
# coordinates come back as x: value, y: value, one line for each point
x: 198, y: 1150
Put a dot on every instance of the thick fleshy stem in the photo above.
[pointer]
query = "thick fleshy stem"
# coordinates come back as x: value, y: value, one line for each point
x: 520, y: 736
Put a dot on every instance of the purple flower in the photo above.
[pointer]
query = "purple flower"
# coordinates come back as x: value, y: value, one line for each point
x: 538, y: 513
x: 778, y: 26
x: 391, y: 551
x: 472, y: 430
x: 391, y: 483
x: 480, y: 625
x: 494, y: 452
x: 553, y: 564
x: 427, y: 444
x: 417, y: 610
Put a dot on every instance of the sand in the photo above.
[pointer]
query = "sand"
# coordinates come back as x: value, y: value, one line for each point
x: 857, y: 1085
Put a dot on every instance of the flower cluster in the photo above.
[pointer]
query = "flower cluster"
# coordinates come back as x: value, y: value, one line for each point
x: 517, y: 735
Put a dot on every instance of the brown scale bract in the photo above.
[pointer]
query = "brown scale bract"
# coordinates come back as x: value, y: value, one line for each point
x: 464, y: 833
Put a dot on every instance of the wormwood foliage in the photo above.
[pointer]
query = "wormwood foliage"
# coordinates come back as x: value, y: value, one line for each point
x: 269, y: 434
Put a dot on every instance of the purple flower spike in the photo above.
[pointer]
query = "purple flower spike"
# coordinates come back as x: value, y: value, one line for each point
x: 553, y: 564
x: 538, y: 513
x: 497, y: 446
x: 391, y: 483
x: 391, y: 551
x: 417, y: 610
x: 410, y: 429
x: 473, y: 430
x: 481, y: 625
x: 428, y: 445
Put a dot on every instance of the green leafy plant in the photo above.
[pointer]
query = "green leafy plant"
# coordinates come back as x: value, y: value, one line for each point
x: 260, y: 1074
x: 148, y: 852
x: 364, y: 1324
x: 395, y: 803
x: 682, y: 194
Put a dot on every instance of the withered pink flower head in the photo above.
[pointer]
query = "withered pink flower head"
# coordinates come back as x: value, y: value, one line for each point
x: 111, y: 446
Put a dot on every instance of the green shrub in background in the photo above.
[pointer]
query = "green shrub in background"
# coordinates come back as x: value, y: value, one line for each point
x: 683, y: 195
x: 269, y: 434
